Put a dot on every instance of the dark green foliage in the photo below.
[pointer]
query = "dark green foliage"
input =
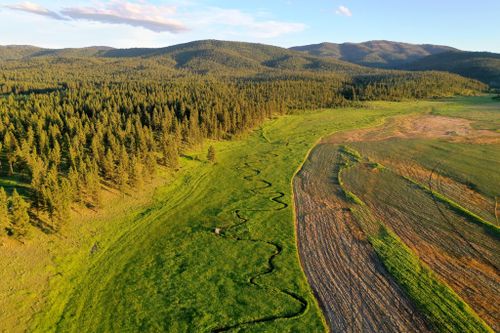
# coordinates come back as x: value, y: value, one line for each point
x: 403, y: 85
x: 170, y: 151
x: 4, y: 211
x: 482, y: 66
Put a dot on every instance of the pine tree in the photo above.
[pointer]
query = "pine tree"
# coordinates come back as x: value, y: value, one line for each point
x: 109, y: 165
x: 4, y: 211
x: 170, y: 153
x: 19, y: 214
x: 150, y: 165
x: 122, y: 169
x: 137, y: 173
x: 62, y: 204
x: 211, y: 154
x: 93, y: 182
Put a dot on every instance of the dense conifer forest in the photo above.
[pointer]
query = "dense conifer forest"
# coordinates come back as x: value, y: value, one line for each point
x: 69, y: 125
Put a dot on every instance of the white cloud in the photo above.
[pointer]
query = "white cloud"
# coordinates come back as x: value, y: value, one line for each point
x: 152, y: 17
x: 191, y: 17
x: 344, y: 11
x: 242, y: 23
x: 141, y: 14
x: 34, y: 8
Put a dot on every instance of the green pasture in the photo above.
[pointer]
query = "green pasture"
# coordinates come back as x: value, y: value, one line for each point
x: 160, y: 265
x: 167, y: 270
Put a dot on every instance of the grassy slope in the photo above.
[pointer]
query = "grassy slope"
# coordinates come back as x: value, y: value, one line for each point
x: 163, y: 268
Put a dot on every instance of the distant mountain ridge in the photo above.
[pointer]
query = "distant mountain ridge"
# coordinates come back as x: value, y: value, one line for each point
x: 199, y: 56
x: 482, y: 66
x: 209, y: 56
x: 15, y: 52
x: 18, y: 52
x: 377, y: 53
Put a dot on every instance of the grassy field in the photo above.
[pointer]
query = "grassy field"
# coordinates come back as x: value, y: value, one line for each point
x: 159, y: 266
x: 471, y: 164
x: 414, y: 203
x: 156, y: 264
x: 457, y: 246
x: 483, y: 111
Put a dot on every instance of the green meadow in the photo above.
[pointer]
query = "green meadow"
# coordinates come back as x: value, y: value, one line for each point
x: 213, y: 250
x: 166, y: 269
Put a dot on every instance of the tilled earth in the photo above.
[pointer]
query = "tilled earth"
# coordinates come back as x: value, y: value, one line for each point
x: 353, y: 288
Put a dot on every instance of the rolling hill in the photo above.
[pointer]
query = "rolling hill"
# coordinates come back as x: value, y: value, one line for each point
x: 380, y: 53
x: 16, y: 52
x: 482, y: 66
x: 241, y: 59
x: 199, y: 56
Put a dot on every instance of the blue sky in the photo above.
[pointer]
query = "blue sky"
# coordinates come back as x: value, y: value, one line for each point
x: 465, y: 24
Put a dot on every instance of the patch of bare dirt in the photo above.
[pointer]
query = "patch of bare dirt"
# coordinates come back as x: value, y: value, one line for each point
x: 467, y: 197
x: 422, y: 126
x: 461, y: 253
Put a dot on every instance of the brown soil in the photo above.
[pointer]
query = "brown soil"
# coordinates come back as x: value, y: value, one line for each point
x: 354, y: 290
x: 423, y: 126
x: 461, y: 253
x: 470, y: 199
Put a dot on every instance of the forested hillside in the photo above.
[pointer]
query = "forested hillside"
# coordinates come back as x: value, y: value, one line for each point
x: 376, y: 53
x: 73, y: 121
x: 201, y: 56
x: 482, y: 66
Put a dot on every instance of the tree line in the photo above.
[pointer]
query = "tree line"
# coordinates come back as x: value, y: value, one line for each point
x: 65, y: 139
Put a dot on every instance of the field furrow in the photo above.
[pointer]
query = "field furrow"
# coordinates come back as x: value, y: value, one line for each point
x: 355, y: 291
x: 427, y: 213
